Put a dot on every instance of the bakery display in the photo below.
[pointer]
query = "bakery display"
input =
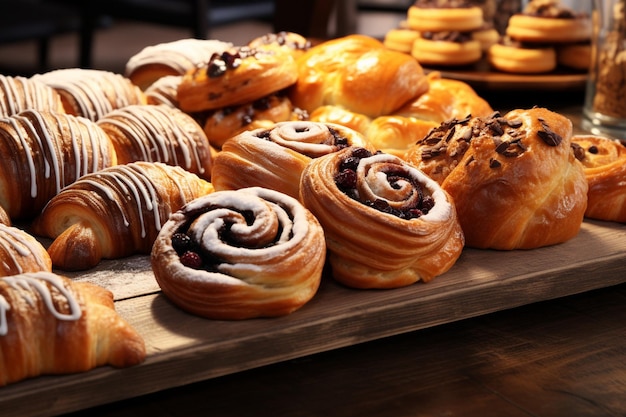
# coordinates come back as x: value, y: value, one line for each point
x: 514, y: 178
x: 52, y: 325
x: 20, y: 252
x: 387, y: 225
x: 275, y: 157
x: 115, y: 212
x: 240, y: 254
x: 604, y: 162
x: 22, y: 93
x: 44, y: 152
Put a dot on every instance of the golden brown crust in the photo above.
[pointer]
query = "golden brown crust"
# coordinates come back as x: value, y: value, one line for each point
x: 20, y: 252
x: 396, y: 134
x: 293, y: 43
x: 270, y: 258
x: 274, y: 158
x: 604, y: 161
x: 341, y: 116
x: 52, y: 325
x: 516, y: 58
x: 576, y: 56
x: 21, y: 93
x: 527, y: 28
x: 400, y: 39
x: 440, y: 19
x: 514, y: 178
x: 440, y: 52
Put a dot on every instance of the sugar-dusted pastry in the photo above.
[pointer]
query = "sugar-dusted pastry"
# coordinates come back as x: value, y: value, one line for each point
x: 42, y: 153
x: 275, y: 157
x: 451, y: 48
x: 51, y: 325
x: 522, y: 58
x: 444, y: 15
x: 237, y: 76
x: 158, y: 133
x: 171, y: 58
x: 92, y: 93
x: 20, y: 252
x: 21, y: 93
x: 358, y: 73
x: 115, y: 212
x: 514, y: 178
x: 240, y: 254
x: 386, y: 224
x: 604, y: 160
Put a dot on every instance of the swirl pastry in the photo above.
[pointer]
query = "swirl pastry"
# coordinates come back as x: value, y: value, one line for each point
x: 604, y: 162
x: 171, y: 58
x: 92, y: 93
x: 20, y: 93
x: 44, y: 152
x: 158, y: 134
x: 387, y: 225
x: 240, y: 254
x: 514, y: 178
x: 275, y: 157
x: 52, y: 325
x: 237, y: 76
x: 20, y: 252
x: 115, y: 212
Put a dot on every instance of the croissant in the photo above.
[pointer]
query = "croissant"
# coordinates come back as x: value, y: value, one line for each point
x: 92, y: 93
x: 387, y: 225
x: 604, y: 162
x: 275, y: 157
x: 52, y: 325
x: 240, y: 254
x: 158, y: 134
x: 44, y: 152
x: 164, y: 91
x: 114, y: 213
x: 21, y: 93
x: 514, y: 178
x: 20, y: 252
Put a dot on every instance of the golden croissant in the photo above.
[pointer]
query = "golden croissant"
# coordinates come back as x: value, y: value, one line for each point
x: 20, y: 252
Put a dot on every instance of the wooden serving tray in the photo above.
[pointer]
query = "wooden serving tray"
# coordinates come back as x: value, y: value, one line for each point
x: 183, y: 348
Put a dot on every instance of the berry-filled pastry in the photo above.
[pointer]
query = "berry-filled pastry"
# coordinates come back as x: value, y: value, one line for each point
x: 240, y: 254
x: 387, y: 225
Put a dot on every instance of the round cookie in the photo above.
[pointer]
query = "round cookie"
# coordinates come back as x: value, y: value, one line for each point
x: 514, y: 57
x: 401, y: 39
x: 428, y: 15
x: 446, y: 48
x: 576, y: 56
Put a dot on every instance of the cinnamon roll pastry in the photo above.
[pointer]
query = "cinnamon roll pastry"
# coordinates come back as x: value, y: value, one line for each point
x: 158, y: 134
x: 240, y: 254
x: 115, y: 212
x: 171, y: 58
x: 21, y: 93
x: 20, y: 252
x: 387, y: 225
x: 52, y: 325
x: 275, y: 157
x: 237, y: 76
x: 92, y: 93
x: 604, y: 162
x: 44, y: 152
x: 514, y: 179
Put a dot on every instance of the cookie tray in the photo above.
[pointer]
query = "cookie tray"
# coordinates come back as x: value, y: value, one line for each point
x: 183, y: 348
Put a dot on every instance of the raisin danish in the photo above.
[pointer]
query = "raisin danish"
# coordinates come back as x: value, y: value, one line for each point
x: 240, y: 254
x: 20, y: 252
x: 514, y: 178
x: 52, y: 325
x: 115, y: 212
x: 604, y: 161
x: 387, y: 224
x: 275, y: 157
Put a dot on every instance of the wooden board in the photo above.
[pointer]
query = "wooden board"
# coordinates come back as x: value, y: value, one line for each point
x: 183, y: 349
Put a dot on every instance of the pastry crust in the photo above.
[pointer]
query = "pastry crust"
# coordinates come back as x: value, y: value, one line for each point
x: 515, y: 58
x: 291, y: 42
x: 262, y: 255
x: 20, y: 252
x: 576, y: 56
x: 21, y: 93
x: 396, y: 134
x: 604, y: 161
x: 540, y: 29
x: 400, y: 39
x: 369, y: 244
x: 341, y: 116
x: 514, y: 178
x: 441, y: 19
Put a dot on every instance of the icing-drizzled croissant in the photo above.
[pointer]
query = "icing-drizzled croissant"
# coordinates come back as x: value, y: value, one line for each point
x: 44, y: 152
x: 387, y: 224
x: 158, y: 133
x: 275, y: 157
x: 52, y: 325
x: 115, y: 212
x: 240, y: 254
x: 20, y: 252
x: 21, y: 93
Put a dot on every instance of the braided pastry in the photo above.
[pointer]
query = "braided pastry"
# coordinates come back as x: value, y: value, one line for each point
x: 386, y: 224
x: 240, y: 254
x: 52, y: 325
x: 44, y: 152
x: 115, y: 212
x: 20, y: 252
x: 20, y: 93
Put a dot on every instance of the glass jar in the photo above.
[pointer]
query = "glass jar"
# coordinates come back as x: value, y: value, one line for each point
x: 604, y: 111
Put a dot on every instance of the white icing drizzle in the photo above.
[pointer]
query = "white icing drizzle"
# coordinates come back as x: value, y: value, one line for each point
x: 14, y: 242
x: 22, y: 93
x: 309, y: 138
x: 39, y: 282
